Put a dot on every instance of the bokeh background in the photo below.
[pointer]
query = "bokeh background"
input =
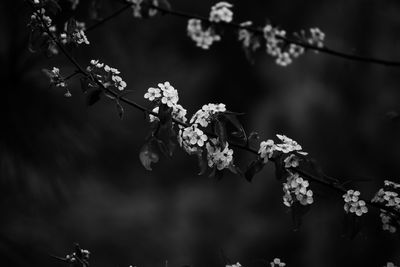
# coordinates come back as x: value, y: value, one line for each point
x: 71, y: 173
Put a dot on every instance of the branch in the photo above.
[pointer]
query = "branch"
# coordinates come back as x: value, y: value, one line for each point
x: 257, y: 31
x: 311, y: 177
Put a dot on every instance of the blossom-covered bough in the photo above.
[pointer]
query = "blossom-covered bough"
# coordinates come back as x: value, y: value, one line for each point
x: 213, y: 132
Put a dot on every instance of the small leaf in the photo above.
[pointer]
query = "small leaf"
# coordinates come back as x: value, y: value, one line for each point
x: 93, y: 97
x: 220, y: 131
x: 84, y: 84
x: 120, y: 110
x: 253, y: 136
x: 147, y: 156
x: 298, y: 211
x: 202, y: 164
x: 37, y: 41
x: 52, y: 6
x: 351, y: 225
x: 71, y: 26
x: 280, y: 170
x: 253, y: 168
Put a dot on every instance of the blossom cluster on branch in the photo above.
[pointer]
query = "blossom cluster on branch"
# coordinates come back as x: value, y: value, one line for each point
x: 213, y: 132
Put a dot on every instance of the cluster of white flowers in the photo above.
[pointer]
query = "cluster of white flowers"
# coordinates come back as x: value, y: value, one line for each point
x: 205, y: 115
x: 316, y: 38
x: 192, y: 139
x: 247, y: 38
x: 277, y: 46
x: 40, y: 19
x: 287, y: 145
x: 72, y: 258
x: 295, y: 189
x: 107, y: 75
x: 266, y: 150
x: 292, y: 161
x: 55, y: 78
x: 78, y: 36
x: 390, y: 198
x: 277, y: 263
x: 218, y: 156
x: 221, y: 12
x: 390, y: 264
x: 203, y: 38
x: 165, y: 94
x: 178, y: 112
x: 353, y: 204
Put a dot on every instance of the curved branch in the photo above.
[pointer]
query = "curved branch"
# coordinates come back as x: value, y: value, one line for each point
x: 311, y: 177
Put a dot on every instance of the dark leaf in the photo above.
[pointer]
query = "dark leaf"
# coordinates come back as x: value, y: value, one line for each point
x: 280, y: 170
x: 253, y: 136
x: 351, y: 225
x: 202, y: 164
x: 37, y: 41
x: 163, y: 148
x: 298, y: 211
x: 93, y: 97
x: 53, y: 7
x: 147, y: 156
x: 120, y: 110
x: 253, y: 168
x: 84, y: 84
x: 220, y: 131
x: 164, y: 4
x: 71, y: 26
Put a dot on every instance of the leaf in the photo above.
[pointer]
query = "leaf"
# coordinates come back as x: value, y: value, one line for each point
x: 351, y: 225
x: 240, y: 133
x: 216, y: 173
x: 298, y: 211
x: 93, y: 97
x: 280, y: 170
x: 71, y: 26
x: 165, y: 5
x: 163, y: 148
x: 84, y: 84
x: 120, y: 110
x: 53, y: 7
x: 253, y: 168
x: 253, y: 136
x: 147, y: 156
x: 220, y: 131
x: 37, y: 41
x: 234, y: 169
x: 202, y: 164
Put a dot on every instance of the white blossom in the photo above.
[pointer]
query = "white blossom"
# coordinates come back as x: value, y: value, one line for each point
x: 295, y: 189
x: 221, y: 12
x: 206, y: 113
x: 353, y: 204
x: 218, y: 156
x: 292, y: 161
x: 203, y: 38
x: 266, y: 150
x: 277, y: 263
x: 317, y: 37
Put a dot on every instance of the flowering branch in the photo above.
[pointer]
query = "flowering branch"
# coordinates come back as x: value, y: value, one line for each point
x: 256, y: 31
x: 286, y: 155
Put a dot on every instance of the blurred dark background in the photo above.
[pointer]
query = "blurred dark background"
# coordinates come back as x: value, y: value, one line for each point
x: 71, y: 173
